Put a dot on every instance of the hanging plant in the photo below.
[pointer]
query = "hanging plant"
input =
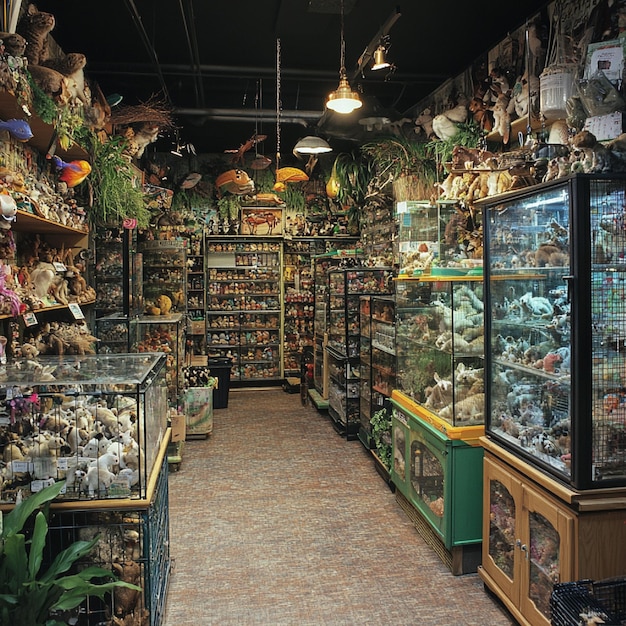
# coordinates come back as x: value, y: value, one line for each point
x: 349, y: 177
x: 397, y: 160
x: 115, y: 196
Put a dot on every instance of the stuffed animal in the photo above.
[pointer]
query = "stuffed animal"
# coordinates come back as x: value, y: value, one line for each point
x: 125, y: 598
x: 35, y: 26
x: 164, y: 303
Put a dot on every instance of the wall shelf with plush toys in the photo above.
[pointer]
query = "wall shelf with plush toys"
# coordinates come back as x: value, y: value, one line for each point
x: 43, y: 134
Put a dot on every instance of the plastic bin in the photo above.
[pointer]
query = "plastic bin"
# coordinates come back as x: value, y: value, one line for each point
x: 220, y: 369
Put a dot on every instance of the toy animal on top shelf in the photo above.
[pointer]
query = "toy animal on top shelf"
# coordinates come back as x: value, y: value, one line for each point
x: 35, y: 26
x: 72, y: 67
x: 14, y: 44
x: 446, y: 124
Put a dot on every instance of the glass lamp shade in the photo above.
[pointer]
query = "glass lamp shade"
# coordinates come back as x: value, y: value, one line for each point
x: 312, y: 145
x: 343, y: 99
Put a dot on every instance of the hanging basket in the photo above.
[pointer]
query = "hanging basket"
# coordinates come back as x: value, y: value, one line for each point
x: 556, y: 87
x: 411, y: 187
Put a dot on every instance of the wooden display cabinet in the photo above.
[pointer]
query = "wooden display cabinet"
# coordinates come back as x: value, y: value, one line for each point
x: 537, y: 533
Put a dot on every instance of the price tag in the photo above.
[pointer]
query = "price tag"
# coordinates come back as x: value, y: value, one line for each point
x: 30, y: 319
x: 76, y: 311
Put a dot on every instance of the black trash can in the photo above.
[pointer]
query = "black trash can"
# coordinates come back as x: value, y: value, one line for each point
x: 220, y: 367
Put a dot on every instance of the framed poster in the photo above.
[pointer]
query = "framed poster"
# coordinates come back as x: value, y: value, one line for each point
x: 261, y: 221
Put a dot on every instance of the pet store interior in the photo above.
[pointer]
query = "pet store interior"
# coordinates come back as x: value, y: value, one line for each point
x: 313, y: 312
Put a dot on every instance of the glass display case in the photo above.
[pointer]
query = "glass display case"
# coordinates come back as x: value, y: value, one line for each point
x: 163, y: 333
x: 299, y: 301
x: 196, y: 305
x: 378, y: 230
x: 383, y: 350
x: 445, y: 234
x: 322, y: 264
x: 345, y: 287
x: 440, y: 349
x: 365, y: 371
x: 555, y: 292
x: 244, y: 307
x: 164, y: 276
x: 113, y: 333
x: 443, y: 480
x: 378, y: 360
x: 96, y: 421
x: 343, y: 393
x: 118, y: 273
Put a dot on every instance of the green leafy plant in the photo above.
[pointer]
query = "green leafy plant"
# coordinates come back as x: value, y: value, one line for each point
x: 353, y: 175
x: 381, y: 434
x: 115, y: 196
x: 398, y: 159
x: 469, y: 135
x: 29, y: 596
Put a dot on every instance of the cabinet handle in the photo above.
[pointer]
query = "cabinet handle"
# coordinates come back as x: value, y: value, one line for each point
x: 524, y: 548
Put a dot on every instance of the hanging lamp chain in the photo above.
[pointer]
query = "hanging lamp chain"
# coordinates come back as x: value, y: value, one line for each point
x: 342, y: 48
x: 279, y: 105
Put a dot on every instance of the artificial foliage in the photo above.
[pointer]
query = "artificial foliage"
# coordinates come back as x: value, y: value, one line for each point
x: 469, y: 135
x: 115, y: 196
x: 30, y: 596
x: 381, y: 434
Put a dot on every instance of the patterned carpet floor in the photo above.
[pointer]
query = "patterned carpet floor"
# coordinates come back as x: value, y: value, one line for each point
x: 275, y: 519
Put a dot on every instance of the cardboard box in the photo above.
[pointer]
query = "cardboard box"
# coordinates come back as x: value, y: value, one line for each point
x: 179, y: 428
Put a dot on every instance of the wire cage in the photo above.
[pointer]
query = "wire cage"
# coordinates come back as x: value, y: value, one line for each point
x: 580, y: 601
x: 133, y: 544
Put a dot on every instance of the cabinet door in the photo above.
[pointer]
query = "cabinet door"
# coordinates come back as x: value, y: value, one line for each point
x: 547, y: 532
x: 400, y: 444
x: 501, y: 536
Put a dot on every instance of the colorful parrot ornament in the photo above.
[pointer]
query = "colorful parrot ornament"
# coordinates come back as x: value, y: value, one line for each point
x: 72, y: 173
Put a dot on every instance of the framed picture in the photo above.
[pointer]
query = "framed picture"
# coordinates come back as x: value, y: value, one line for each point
x: 261, y: 221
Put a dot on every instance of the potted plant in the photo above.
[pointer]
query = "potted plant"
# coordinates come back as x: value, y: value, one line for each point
x: 29, y: 596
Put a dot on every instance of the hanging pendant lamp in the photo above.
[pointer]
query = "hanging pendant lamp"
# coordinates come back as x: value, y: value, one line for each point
x: 343, y: 99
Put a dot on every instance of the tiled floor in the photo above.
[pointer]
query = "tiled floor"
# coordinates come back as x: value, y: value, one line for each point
x: 277, y: 520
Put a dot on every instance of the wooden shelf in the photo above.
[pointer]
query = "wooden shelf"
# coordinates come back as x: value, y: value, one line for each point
x: 42, y: 132
x: 52, y: 307
x: 30, y: 223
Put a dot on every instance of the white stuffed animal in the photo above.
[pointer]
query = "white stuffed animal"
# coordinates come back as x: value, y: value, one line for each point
x: 97, y: 480
x: 108, y: 461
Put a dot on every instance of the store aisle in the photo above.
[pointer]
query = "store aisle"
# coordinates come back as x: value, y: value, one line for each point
x: 277, y: 520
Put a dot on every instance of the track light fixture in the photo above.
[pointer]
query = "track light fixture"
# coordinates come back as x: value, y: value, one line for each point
x: 380, y: 61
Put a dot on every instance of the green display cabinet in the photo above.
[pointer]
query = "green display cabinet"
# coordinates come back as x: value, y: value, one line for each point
x: 442, y: 481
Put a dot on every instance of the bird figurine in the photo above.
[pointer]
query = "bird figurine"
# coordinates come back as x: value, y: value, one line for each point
x: 72, y: 173
x: 18, y: 129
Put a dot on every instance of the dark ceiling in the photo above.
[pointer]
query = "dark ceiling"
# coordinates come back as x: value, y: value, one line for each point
x: 215, y: 63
